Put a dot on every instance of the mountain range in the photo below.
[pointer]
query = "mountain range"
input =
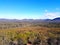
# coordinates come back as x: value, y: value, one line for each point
x: 31, y: 20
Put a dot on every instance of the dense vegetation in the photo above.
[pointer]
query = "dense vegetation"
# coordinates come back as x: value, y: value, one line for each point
x: 19, y: 33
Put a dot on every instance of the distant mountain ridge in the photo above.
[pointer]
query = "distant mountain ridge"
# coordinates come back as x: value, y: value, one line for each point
x: 57, y: 18
x: 31, y: 20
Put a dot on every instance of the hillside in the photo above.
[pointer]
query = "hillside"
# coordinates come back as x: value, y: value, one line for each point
x: 14, y: 23
x: 26, y: 30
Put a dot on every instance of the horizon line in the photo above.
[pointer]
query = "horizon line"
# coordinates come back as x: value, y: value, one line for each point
x: 26, y: 18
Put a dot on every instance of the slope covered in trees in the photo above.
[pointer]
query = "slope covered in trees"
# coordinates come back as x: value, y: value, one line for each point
x: 33, y: 32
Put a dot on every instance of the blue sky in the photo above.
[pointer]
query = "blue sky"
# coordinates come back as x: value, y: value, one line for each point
x: 29, y: 9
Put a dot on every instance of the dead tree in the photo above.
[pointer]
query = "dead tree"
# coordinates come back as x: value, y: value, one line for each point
x: 11, y: 42
x: 58, y: 41
x: 19, y: 41
x: 37, y: 41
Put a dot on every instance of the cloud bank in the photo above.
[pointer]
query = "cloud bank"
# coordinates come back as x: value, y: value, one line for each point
x: 51, y: 15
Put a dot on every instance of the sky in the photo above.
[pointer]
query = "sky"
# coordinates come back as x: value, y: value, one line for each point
x: 29, y: 9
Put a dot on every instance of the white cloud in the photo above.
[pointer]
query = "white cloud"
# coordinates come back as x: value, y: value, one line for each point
x: 52, y: 15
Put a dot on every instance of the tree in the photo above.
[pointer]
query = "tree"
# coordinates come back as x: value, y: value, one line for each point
x: 11, y: 42
x: 19, y: 41
x: 37, y: 41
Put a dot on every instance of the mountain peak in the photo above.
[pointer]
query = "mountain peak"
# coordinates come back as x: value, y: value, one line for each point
x: 58, y: 18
